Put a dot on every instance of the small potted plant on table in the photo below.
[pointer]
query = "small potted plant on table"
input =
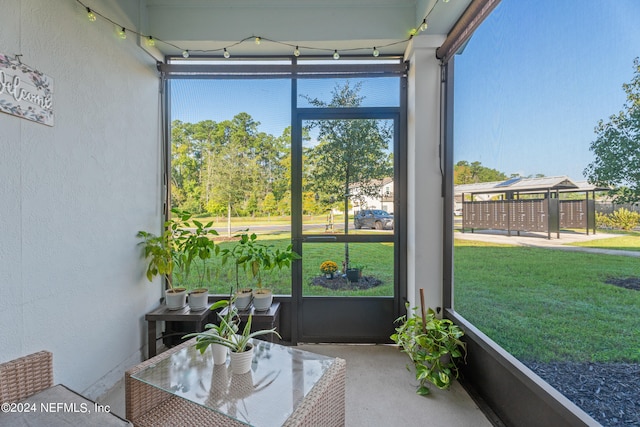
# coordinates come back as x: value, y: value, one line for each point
x: 196, y: 248
x: 255, y: 256
x: 227, y: 335
x: 174, y: 252
x: 162, y: 256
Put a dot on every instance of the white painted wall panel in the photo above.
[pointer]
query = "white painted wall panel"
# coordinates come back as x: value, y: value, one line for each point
x: 73, y: 196
x: 424, y: 201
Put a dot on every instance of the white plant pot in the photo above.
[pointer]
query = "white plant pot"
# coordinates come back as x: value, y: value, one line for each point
x: 243, y: 300
x: 262, y: 299
x: 219, y: 354
x: 198, y: 299
x: 176, y: 299
x: 241, y: 362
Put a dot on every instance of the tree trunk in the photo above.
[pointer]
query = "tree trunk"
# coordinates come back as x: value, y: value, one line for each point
x: 229, y: 219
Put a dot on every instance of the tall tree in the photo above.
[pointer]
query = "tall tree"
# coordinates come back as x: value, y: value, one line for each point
x: 349, y: 153
x: 617, y: 147
x: 472, y: 173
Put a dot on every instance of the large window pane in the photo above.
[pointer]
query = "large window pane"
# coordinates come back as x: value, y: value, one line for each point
x: 530, y: 87
x: 231, y: 164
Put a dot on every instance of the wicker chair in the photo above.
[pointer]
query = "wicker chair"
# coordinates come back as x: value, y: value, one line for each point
x: 29, y: 380
x: 25, y: 376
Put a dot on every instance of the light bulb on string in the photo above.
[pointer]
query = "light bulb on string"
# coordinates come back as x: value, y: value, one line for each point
x: 376, y: 52
x: 122, y: 33
x: 424, y: 25
x: 226, y: 53
x: 90, y: 15
x: 185, y: 54
x: 445, y: 1
x: 413, y: 32
x: 296, y: 51
x: 336, y: 55
x: 258, y: 40
x: 151, y: 42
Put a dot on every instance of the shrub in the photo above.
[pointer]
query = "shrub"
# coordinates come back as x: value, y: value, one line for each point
x: 624, y: 219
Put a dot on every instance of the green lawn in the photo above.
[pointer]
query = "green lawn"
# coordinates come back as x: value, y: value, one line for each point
x: 377, y: 258
x: 543, y: 304
x: 627, y: 242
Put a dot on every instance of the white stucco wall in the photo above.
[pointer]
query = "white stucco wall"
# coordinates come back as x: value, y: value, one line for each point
x: 73, y: 196
x: 424, y: 200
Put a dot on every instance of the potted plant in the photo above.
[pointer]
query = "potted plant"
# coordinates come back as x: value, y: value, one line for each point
x: 226, y: 334
x: 226, y: 328
x: 434, y: 347
x: 195, y: 249
x: 174, y: 252
x: 243, y: 296
x: 354, y: 274
x: 162, y: 256
x: 328, y: 268
x: 254, y: 256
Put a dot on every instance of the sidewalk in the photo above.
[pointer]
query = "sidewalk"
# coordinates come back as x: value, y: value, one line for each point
x: 540, y: 240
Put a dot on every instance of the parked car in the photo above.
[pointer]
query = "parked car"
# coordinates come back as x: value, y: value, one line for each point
x: 373, y: 218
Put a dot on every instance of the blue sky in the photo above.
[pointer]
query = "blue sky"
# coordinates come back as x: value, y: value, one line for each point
x: 536, y: 78
x: 530, y: 86
x: 267, y: 101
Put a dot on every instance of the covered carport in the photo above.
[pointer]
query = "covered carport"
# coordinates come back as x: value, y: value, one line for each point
x: 528, y: 204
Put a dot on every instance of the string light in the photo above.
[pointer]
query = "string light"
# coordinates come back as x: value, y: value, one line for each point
x: 91, y: 16
x: 121, y: 31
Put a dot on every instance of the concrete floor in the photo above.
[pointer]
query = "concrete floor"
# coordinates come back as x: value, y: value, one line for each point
x: 380, y: 391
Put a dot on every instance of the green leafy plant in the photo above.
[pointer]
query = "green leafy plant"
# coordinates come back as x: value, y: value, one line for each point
x: 253, y: 257
x: 226, y: 332
x: 173, y: 252
x: 434, y: 347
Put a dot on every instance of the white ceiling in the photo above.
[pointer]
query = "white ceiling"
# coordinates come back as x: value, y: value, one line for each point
x: 321, y: 24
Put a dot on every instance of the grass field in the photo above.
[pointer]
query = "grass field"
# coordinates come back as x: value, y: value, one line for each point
x: 628, y: 242
x: 541, y: 304
x: 376, y: 258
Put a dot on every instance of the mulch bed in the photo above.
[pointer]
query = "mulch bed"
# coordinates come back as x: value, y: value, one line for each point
x: 606, y: 391
x: 340, y: 283
x: 627, y: 282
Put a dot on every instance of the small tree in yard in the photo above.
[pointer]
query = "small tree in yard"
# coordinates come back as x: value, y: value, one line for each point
x: 349, y: 151
x: 617, y: 147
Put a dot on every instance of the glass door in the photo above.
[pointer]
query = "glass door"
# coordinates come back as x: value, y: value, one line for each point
x: 346, y: 224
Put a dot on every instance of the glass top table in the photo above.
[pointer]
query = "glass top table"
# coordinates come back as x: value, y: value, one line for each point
x: 279, y: 379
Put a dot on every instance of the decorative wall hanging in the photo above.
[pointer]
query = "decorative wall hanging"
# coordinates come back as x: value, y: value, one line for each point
x: 25, y: 92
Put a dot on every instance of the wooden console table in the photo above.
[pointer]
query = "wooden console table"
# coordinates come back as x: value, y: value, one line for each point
x: 162, y: 313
